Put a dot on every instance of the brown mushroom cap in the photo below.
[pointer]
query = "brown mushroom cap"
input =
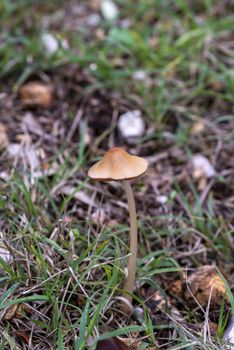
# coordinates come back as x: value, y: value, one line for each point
x: 118, y: 165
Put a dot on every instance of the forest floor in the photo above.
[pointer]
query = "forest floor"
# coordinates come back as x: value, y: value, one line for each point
x: 64, y: 238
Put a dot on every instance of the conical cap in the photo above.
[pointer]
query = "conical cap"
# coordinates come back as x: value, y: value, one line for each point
x: 118, y: 165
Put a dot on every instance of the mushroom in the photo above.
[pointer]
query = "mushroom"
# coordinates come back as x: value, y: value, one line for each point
x: 118, y: 165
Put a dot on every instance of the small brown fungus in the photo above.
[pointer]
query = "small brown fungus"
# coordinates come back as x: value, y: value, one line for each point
x: 118, y: 165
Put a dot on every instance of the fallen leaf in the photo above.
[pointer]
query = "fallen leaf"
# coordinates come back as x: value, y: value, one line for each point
x: 134, y: 343
x: 23, y: 335
x: 175, y: 288
x: 36, y: 93
x: 32, y: 125
x: 205, y: 284
x: 156, y: 301
x: 27, y: 152
x: 112, y: 343
x: 32, y: 157
x: 14, y: 311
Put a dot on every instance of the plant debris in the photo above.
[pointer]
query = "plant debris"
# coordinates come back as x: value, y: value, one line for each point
x: 113, y: 343
x: 204, y: 286
x: 35, y: 93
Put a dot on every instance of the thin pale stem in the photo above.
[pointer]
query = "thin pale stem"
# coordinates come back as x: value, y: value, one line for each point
x: 130, y: 279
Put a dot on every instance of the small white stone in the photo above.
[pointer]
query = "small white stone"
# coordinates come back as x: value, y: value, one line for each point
x: 125, y: 272
x: 202, y: 166
x: 109, y: 10
x: 162, y: 199
x: 229, y: 334
x: 131, y: 124
x: 93, y: 67
x: 52, y: 43
x: 139, y: 75
x: 139, y: 310
x: 99, y: 216
x: 5, y: 176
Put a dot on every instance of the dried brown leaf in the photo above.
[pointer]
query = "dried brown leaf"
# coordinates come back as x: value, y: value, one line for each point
x: 112, y: 343
x: 36, y: 93
x: 175, y: 288
x: 206, y: 284
x: 23, y: 334
x: 14, y: 311
x: 156, y: 301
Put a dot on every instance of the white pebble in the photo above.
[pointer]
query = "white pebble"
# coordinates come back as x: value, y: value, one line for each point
x: 109, y: 10
x: 139, y: 75
x: 131, y: 124
x: 52, y: 43
x: 202, y: 166
x: 229, y: 334
x: 162, y: 199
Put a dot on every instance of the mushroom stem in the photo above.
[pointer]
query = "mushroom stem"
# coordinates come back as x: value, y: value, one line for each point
x: 129, y: 281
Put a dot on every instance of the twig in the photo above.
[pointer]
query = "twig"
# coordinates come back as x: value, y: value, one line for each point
x: 75, y: 124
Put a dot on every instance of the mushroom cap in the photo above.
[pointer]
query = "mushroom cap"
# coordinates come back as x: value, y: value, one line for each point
x: 118, y: 165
